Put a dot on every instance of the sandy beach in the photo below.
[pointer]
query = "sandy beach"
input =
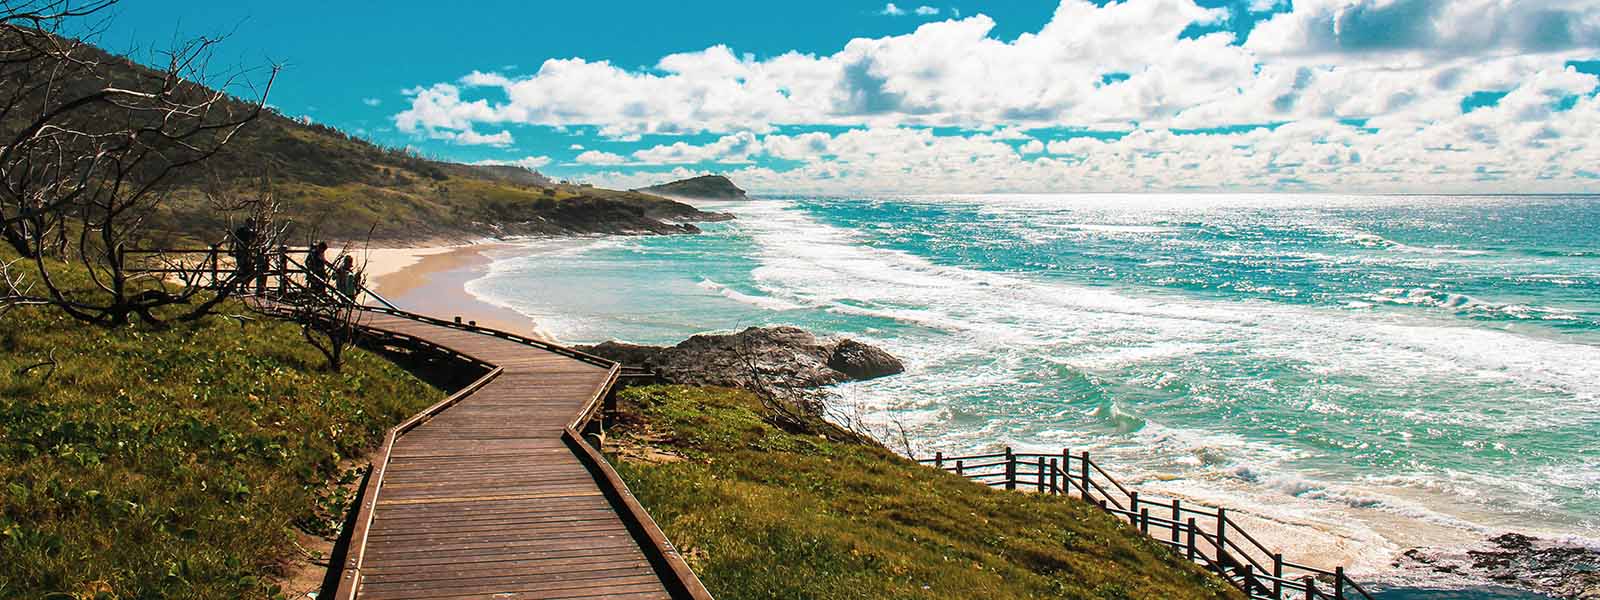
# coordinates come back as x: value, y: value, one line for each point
x: 432, y: 281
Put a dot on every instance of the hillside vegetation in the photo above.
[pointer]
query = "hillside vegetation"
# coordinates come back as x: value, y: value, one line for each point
x: 176, y: 463
x: 337, y: 186
x: 760, y: 512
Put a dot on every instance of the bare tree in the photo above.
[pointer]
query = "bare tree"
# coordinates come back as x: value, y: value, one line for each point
x: 326, y: 307
x: 90, y: 147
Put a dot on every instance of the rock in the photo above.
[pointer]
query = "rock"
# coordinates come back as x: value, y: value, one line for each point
x: 771, y: 356
x: 860, y: 361
x: 1552, y: 568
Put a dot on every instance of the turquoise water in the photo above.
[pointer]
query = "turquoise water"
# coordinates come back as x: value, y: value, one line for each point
x: 1363, y: 373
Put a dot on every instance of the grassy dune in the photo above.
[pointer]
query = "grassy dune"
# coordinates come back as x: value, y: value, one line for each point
x: 176, y: 463
x: 764, y: 513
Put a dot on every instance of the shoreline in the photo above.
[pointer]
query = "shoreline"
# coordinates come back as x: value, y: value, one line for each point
x: 1329, y: 532
x: 432, y: 280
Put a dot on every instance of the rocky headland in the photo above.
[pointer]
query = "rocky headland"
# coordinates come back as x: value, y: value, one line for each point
x: 786, y: 356
x: 704, y: 187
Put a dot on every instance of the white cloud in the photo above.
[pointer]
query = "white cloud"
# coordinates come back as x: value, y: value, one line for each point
x: 1400, y: 66
x: 891, y: 10
x: 575, y: 147
x: 1448, y: 27
x: 527, y: 162
x: 926, y: 11
x: 371, y: 101
x: 473, y: 138
x: 733, y: 148
x: 597, y: 157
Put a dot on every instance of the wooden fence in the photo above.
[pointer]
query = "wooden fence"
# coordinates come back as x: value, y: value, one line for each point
x: 1203, y: 534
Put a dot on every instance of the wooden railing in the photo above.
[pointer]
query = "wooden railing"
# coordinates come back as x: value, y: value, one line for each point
x: 1206, y: 535
x: 279, y: 274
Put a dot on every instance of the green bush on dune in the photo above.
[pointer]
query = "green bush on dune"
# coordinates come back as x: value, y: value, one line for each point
x: 764, y: 513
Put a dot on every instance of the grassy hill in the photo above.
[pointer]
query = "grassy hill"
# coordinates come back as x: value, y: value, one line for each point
x: 761, y: 512
x: 341, y: 186
x: 190, y: 462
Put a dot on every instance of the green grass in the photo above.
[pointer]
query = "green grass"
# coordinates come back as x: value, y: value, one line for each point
x: 176, y: 463
x: 763, y: 513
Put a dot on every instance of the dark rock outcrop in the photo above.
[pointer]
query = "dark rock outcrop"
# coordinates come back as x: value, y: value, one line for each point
x: 1560, y: 570
x: 861, y: 361
x: 774, y: 356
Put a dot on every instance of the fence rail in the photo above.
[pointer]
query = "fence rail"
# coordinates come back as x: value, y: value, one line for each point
x: 279, y: 273
x: 1203, y: 534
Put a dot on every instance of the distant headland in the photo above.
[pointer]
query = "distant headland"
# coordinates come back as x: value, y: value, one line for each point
x: 704, y: 187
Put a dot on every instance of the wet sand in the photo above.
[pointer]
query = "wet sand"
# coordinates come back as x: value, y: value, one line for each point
x: 432, y: 281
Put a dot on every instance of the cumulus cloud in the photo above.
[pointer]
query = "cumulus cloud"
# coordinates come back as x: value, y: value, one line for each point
x: 527, y: 162
x: 1449, y: 27
x: 734, y: 148
x: 926, y: 11
x: 371, y: 101
x: 1323, y: 92
x: 891, y: 10
x: 597, y: 157
x: 473, y: 138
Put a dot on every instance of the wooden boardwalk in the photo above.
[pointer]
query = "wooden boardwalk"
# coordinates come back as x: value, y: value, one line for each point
x: 493, y: 493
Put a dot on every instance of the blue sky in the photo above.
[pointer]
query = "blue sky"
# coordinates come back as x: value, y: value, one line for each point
x: 1142, y: 95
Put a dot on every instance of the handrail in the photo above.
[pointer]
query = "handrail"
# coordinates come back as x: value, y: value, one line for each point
x: 1240, y: 562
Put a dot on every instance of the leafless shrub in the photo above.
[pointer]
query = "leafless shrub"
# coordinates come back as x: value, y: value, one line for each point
x: 88, y: 153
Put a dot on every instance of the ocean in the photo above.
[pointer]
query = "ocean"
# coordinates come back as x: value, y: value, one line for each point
x: 1359, y: 374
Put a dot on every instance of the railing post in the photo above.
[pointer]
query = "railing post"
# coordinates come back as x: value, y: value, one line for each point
x: 1177, y: 515
x: 1277, y: 575
x: 1249, y: 579
x: 1066, y: 472
x: 1222, y: 536
x: 1338, y: 583
x: 1133, y: 502
x: 938, y: 460
x: 1054, y: 489
x: 1011, y: 469
x: 1039, y: 485
x: 1084, y: 478
x: 283, y: 269
x: 214, y: 251
x: 1311, y: 588
x: 1189, y: 545
x: 961, y: 469
x: 458, y: 319
x: 1144, y: 521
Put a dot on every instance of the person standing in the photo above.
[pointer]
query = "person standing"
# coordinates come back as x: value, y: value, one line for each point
x: 245, y: 264
x: 317, y: 268
x: 346, y: 278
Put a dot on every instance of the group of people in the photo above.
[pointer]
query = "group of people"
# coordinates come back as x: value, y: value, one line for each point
x: 322, y: 276
x: 345, y: 279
